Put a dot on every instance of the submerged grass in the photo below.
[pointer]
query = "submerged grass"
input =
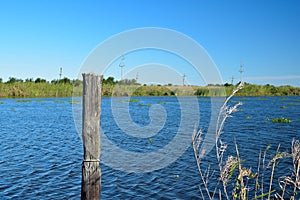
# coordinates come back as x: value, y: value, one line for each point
x: 130, y: 101
x: 281, y: 120
x: 40, y: 101
x: 74, y: 102
x: 23, y: 100
x: 58, y: 101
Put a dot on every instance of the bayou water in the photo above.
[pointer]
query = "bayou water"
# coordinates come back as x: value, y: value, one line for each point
x: 41, y: 149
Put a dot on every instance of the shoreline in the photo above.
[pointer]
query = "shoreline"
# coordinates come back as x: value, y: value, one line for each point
x: 51, y: 90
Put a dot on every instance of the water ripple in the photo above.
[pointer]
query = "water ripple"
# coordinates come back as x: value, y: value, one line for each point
x: 41, y: 153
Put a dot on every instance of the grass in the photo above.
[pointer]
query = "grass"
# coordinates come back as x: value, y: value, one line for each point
x: 46, y: 89
x: 24, y: 100
x: 281, y: 120
x: 262, y: 98
x: 40, y: 101
x: 31, y: 89
x: 283, y: 99
x: 147, y: 105
x: 231, y: 180
x: 74, y: 102
x: 130, y: 100
x: 58, y: 101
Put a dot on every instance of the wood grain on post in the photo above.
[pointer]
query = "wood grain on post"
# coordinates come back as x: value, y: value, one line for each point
x: 91, y: 172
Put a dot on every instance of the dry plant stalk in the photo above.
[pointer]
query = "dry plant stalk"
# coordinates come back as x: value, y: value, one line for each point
x: 225, y: 170
x: 294, y: 179
x: 228, y: 167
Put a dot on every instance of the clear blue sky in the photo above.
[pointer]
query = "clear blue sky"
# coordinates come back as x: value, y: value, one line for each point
x: 39, y: 37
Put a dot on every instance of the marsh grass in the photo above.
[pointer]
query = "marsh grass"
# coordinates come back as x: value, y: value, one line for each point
x: 74, y: 102
x: 23, y: 100
x: 231, y: 180
x: 31, y: 89
x: 58, y: 101
x: 130, y: 101
x: 40, y: 101
x: 281, y: 120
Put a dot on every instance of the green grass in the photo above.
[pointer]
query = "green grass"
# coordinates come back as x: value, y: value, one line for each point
x: 148, y: 105
x: 130, y: 100
x: 31, y: 89
x: 40, y: 101
x: 46, y: 89
x: 74, y: 102
x: 291, y: 104
x: 24, y: 100
x: 281, y: 120
x: 262, y: 99
x: 58, y: 101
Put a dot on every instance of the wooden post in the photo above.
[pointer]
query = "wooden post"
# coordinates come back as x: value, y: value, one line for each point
x: 91, y: 172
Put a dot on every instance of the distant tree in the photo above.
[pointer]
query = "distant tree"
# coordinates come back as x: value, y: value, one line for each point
x: 128, y: 82
x: 227, y: 84
x: 11, y: 80
x: 40, y: 80
x: 0, y: 80
x: 29, y: 80
x: 14, y: 80
x: 110, y: 81
x: 54, y: 81
x: 65, y: 80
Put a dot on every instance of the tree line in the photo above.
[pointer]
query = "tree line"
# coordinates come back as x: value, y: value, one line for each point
x: 65, y: 80
x: 250, y: 90
x: 65, y: 87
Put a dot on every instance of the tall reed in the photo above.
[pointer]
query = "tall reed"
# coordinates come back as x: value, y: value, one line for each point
x: 246, y: 183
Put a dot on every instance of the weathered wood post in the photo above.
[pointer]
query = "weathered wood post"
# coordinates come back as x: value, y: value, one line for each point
x: 91, y: 172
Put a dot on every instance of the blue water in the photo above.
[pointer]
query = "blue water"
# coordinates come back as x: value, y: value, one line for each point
x: 41, y: 151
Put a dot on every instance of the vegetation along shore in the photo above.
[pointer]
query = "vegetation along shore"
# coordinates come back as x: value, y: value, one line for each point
x: 18, y: 88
